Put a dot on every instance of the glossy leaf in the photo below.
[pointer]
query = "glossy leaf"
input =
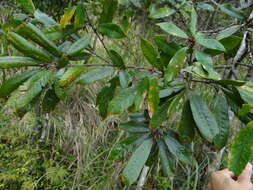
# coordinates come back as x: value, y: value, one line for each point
x: 13, y: 83
x: 32, y: 32
x: 176, y: 63
x: 187, y: 124
x: 111, y: 30
x: 161, y: 13
x: 109, y: 10
x: 80, y: 16
x: 142, y: 90
x: 246, y: 92
x: 178, y: 150
x: 117, y: 60
x: 172, y: 29
x: 160, y: 115
x: 95, y: 75
x: 173, y: 107
x: 27, y: 5
x: 194, y: 20
x: 103, y: 98
x: 221, y: 114
x: 210, y: 43
x: 232, y: 11
x: 44, y: 18
x: 134, y: 127
x: 79, y: 45
x: 70, y: 75
x: 134, y: 166
x: 228, y: 31
x: 29, y: 90
x: 149, y: 52
x: 66, y: 18
x: 241, y: 150
x: 14, y: 61
x: 166, y: 160
x: 123, y: 100
x: 27, y: 48
x: 203, y: 117
x: 124, y: 78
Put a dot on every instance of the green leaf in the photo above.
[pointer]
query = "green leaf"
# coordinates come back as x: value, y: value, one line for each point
x: 143, y: 87
x: 211, y: 44
x: 153, y: 96
x: 172, y: 29
x: 29, y: 90
x: 241, y: 151
x: 68, y: 15
x: 27, y: 5
x: 95, y: 75
x: 168, y: 48
x: 134, y: 166
x: 173, y: 107
x: 161, y: 13
x: 123, y: 100
x: 12, y: 84
x: 70, y: 75
x: 187, y: 124
x: 116, y: 59
x: 246, y: 92
x: 109, y: 10
x: 79, y: 45
x: 221, y: 114
x: 228, y: 9
x: 205, y: 6
x: 50, y: 101
x: 178, y: 150
x: 44, y: 19
x: 161, y: 114
x: 13, y: 61
x: 176, y: 63
x: 166, y: 160
x: 194, y: 21
x: 80, y: 16
x: 203, y: 117
x: 149, y: 52
x: 111, y: 30
x: 134, y: 127
x: 246, y: 108
x: 228, y: 32
x: 124, y: 78
x: 231, y: 82
x: 103, y: 98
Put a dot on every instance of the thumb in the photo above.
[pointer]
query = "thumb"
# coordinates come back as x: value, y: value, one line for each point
x: 246, y: 174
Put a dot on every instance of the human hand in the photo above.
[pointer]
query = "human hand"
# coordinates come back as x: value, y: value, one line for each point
x: 225, y: 180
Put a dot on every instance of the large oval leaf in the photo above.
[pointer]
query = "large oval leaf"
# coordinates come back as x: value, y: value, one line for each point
x: 175, y: 64
x: 95, y: 75
x: 211, y: 43
x: 172, y: 29
x: 203, y: 117
x: 153, y: 96
x: 80, y: 16
x: 117, y: 60
x: 111, y: 30
x: 232, y: 11
x: 246, y: 92
x: 79, y: 45
x: 68, y: 15
x: 133, y: 168
x: 187, y: 124
x: 13, y: 83
x: 70, y: 75
x: 241, y: 151
x: 123, y: 100
x: 27, y: 5
x: 149, y: 52
x: 221, y: 114
x: 161, y: 13
x: 134, y: 127
x: 13, y: 61
x: 29, y: 90
x: 109, y: 9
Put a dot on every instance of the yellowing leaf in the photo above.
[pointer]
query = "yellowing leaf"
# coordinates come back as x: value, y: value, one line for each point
x: 66, y: 18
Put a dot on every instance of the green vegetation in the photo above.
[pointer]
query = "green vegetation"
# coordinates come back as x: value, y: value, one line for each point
x: 124, y: 94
